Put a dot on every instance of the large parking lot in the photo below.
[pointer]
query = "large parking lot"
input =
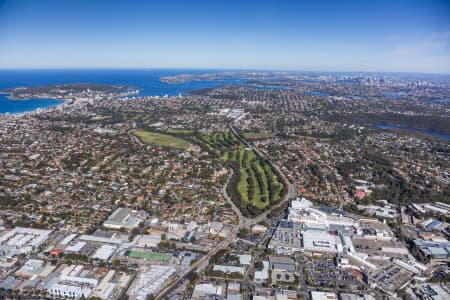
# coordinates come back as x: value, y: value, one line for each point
x: 323, y: 271
x: 390, y: 277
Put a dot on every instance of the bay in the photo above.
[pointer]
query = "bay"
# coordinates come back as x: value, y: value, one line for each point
x: 146, y: 79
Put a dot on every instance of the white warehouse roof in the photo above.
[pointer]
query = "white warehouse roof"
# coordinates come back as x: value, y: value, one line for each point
x: 321, y: 241
x: 104, y: 252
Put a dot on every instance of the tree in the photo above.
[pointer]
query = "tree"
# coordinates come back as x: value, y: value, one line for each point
x: 259, y: 265
x: 243, y: 233
x: 235, y: 275
x: 116, y: 263
x: 193, y: 276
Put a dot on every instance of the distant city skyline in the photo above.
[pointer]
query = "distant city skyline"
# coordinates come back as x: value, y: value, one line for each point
x: 371, y: 36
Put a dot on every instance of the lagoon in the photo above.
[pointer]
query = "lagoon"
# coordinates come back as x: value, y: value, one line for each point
x: 320, y: 94
x: 444, y: 137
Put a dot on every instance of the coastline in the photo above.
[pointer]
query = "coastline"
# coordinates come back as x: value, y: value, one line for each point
x: 32, y: 110
x: 24, y: 100
x: 10, y: 97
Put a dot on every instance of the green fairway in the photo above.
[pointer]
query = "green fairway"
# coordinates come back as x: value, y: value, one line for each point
x: 159, y: 139
x: 220, y: 141
x: 254, y: 186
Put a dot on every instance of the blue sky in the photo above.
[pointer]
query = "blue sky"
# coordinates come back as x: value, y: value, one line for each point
x: 364, y: 35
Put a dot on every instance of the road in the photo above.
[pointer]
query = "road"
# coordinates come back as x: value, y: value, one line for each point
x: 291, y: 194
x: 135, y: 138
x: 242, y: 218
x: 243, y: 222
x: 222, y: 245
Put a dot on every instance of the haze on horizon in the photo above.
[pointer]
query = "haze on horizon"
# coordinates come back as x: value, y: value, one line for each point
x: 392, y: 36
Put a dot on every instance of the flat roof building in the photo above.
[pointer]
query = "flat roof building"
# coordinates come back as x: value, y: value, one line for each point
x: 149, y: 280
x: 285, y: 263
x: 263, y: 275
x: 323, y: 296
x: 124, y: 217
x: 206, y: 291
x: 229, y: 269
x: 69, y: 291
x: 356, y: 296
x: 437, y: 250
x: 147, y: 240
x: 34, y: 268
x: 104, y: 252
x: 22, y: 240
x: 321, y: 241
x: 75, y: 247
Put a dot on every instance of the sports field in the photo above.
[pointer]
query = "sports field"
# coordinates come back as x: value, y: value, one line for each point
x: 148, y: 255
x: 163, y: 140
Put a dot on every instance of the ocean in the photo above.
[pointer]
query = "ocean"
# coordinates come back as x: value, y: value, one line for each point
x: 146, y: 79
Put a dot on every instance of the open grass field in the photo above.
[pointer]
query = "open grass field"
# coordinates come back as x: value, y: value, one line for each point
x: 162, y: 140
x: 179, y: 131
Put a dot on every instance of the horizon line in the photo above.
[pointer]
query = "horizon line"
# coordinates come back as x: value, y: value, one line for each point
x: 215, y: 69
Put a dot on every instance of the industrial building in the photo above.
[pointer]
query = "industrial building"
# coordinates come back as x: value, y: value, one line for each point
x: 323, y: 296
x: 207, y: 291
x: 279, y: 262
x: 21, y: 241
x: 75, y: 247
x: 263, y: 275
x: 147, y: 240
x: 124, y: 217
x: 149, y: 281
x: 24, y: 239
x: 434, y: 249
x: 69, y: 291
x: 229, y: 269
x: 71, y: 284
x: 345, y: 296
x: 34, y: 268
x: 104, y: 252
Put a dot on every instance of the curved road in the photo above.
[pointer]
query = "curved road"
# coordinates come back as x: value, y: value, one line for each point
x: 242, y: 218
x: 291, y: 194
x: 243, y: 221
